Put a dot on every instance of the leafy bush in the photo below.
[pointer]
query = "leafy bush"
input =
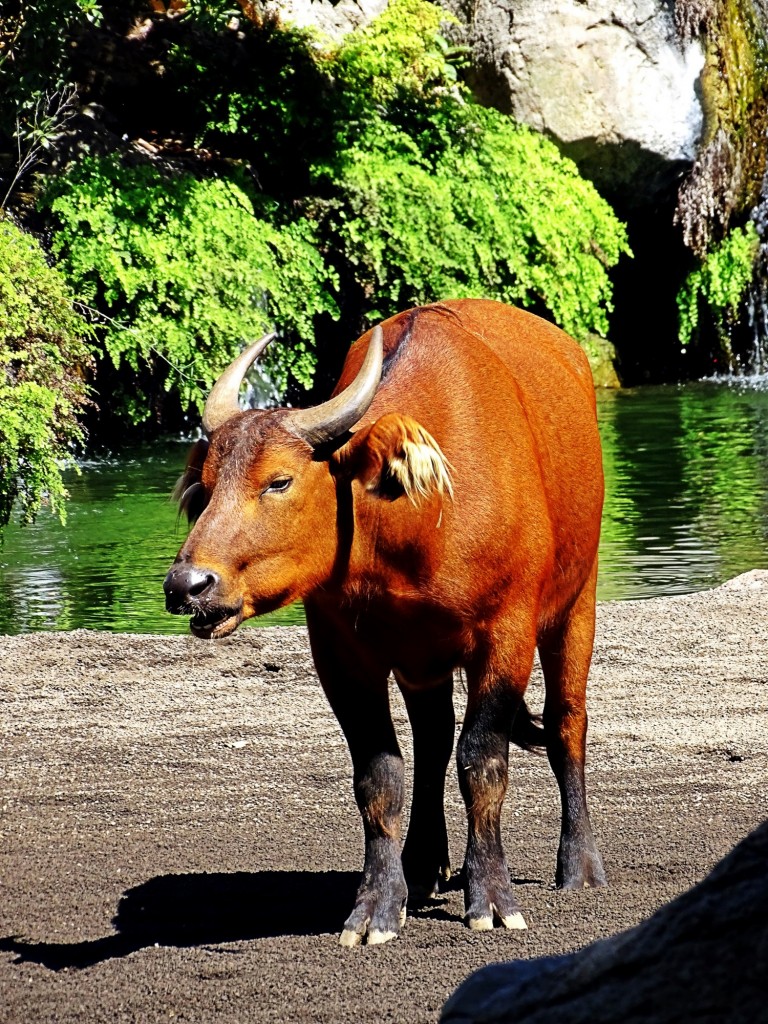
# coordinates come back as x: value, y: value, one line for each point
x: 418, y: 193
x: 34, y: 55
x: 498, y: 213
x: 361, y: 178
x: 719, y: 286
x: 436, y: 196
x: 43, y: 358
x: 190, y: 270
x: 261, y: 96
x: 400, y: 54
x: 37, y: 96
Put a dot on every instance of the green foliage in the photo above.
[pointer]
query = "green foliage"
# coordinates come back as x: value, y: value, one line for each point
x: 719, y: 285
x: 400, y: 54
x: 418, y: 193
x: 190, y: 270
x: 211, y: 14
x: 495, y: 212
x: 35, y: 51
x: 43, y: 357
x: 360, y: 176
x: 437, y: 196
x: 260, y: 95
x: 38, y: 98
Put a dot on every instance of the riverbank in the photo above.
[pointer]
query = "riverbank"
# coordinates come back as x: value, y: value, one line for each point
x: 178, y: 838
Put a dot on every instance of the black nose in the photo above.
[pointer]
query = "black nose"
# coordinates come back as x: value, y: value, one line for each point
x: 185, y: 586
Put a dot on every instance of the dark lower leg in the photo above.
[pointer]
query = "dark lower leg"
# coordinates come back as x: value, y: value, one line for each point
x: 565, y: 658
x: 425, y: 854
x: 380, y: 901
x: 578, y: 861
x: 378, y: 783
x: 482, y: 764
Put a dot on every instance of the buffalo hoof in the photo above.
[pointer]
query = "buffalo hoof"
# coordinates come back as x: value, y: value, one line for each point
x: 498, y: 904
x: 423, y: 886
x: 579, y: 866
x: 426, y: 863
x: 374, y: 928
x: 514, y: 921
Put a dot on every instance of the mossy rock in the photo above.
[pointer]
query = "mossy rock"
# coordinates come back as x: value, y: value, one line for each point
x: 601, y: 354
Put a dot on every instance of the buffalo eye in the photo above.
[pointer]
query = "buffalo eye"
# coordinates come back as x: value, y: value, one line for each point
x: 279, y: 486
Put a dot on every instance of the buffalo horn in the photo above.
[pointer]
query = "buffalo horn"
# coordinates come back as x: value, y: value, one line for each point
x: 331, y: 419
x: 222, y: 402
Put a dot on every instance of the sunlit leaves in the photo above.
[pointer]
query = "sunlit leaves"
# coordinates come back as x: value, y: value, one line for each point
x: 363, y: 161
x: 188, y: 272
x: 493, y: 210
x: 43, y: 360
x: 720, y: 284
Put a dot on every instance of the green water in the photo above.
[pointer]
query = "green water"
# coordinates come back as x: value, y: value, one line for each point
x: 105, y: 568
x: 686, y: 487
x: 686, y: 508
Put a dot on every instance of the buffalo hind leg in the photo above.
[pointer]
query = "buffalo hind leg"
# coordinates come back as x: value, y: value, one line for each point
x: 425, y: 855
x: 565, y: 658
x: 482, y: 758
x: 364, y: 715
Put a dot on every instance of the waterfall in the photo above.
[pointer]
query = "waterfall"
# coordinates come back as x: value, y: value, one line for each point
x: 260, y: 392
x: 757, y: 300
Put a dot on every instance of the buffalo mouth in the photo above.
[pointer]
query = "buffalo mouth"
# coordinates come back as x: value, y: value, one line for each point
x: 214, y: 623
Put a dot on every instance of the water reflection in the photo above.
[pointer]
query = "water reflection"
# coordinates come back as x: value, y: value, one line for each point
x: 686, y: 487
x: 105, y: 569
x: 686, y: 508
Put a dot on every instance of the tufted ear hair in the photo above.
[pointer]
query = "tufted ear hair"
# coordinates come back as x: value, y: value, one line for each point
x: 188, y: 490
x: 396, y: 456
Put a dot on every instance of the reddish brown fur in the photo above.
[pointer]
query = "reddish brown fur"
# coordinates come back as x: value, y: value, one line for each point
x: 474, y: 580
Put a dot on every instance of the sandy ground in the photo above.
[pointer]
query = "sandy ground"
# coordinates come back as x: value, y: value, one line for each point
x: 178, y: 838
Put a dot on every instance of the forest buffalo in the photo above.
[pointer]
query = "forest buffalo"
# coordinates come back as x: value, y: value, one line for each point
x: 441, y: 511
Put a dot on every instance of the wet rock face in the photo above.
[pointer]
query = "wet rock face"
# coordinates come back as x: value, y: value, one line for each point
x: 609, y: 81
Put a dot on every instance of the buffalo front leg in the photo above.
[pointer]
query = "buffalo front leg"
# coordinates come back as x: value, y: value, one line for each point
x: 565, y: 658
x: 482, y: 757
x: 364, y: 715
x: 425, y: 855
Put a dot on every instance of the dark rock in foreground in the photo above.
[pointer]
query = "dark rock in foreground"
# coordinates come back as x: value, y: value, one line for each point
x: 702, y: 957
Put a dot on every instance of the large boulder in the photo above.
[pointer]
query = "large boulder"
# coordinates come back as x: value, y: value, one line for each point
x: 702, y: 957
x: 609, y: 80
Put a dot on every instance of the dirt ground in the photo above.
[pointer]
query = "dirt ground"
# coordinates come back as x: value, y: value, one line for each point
x: 179, y: 841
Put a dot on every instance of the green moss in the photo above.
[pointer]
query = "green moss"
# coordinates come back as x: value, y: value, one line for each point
x: 727, y: 177
x: 602, y: 357
x: 734, y: 84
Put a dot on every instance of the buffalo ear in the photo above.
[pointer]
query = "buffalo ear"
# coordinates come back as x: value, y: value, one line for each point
x: 188, y: 490
x: 396, y: 456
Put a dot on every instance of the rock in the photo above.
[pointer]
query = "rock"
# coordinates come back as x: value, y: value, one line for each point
x: 609, y: 81
x: 334, y: 19
x: 702, y: 957
x: 602, y: 357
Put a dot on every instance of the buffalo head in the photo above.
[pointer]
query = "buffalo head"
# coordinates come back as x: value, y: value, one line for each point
x: 261, y: 491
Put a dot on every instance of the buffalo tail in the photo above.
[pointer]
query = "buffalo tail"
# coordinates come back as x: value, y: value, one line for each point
x: 528, y: 730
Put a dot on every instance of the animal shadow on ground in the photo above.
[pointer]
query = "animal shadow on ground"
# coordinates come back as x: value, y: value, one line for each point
x: 197, y: 909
